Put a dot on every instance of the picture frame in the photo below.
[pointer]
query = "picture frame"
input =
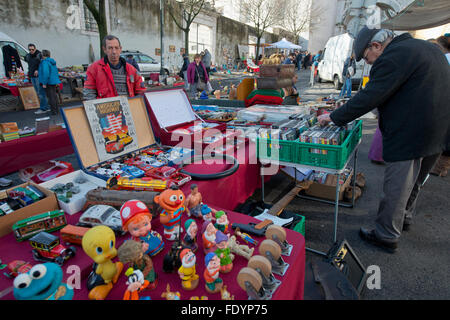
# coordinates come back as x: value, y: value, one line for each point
x: 29, y: 97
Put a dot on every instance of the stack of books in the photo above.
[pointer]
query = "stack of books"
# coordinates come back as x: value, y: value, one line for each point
x: 9, y: 131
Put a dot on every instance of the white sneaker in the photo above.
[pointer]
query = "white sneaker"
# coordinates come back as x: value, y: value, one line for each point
x: 41, y: 111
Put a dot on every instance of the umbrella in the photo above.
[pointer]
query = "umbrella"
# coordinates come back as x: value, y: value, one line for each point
x: 284, y: 44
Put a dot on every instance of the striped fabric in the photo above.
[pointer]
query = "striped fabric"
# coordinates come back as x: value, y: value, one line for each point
x: 115, y: 123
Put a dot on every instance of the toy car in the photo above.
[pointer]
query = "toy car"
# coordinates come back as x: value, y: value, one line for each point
x: 133, y: 171
x: 17, y: 266
x: 169, y: 174
x: 47, y: 248
x: 153, y: 152
x: 101, y: 215
x: 153, y: 161
x: 58, y: 169
x: 160, y: 173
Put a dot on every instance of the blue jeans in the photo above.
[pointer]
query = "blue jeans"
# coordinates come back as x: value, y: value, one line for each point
x: 41, y: 93
x: 346, y: 88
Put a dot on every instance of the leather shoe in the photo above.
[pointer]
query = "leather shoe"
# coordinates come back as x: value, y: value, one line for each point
x: 369, y: 236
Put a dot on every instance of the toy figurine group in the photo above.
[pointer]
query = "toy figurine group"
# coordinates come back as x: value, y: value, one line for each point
x: 99, y: 243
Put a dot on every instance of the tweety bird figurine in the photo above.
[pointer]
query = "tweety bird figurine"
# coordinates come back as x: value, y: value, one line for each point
x: 99, y: 244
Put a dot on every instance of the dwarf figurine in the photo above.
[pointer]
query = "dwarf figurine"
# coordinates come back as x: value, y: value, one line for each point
x: 221, y: 221
x: 187, y: 273
x: 136, y: 219
x: 209, y: 237
x: 190, y: 238
x: 223, y: 252
x: 172, y: 203
x: 194, y: 202
x: 213, y: 283
x: 131, y: 252
x: 207, y: 213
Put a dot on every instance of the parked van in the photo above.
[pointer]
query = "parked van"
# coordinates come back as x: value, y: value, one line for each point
x: 337, y: 50
x: 5, y: 40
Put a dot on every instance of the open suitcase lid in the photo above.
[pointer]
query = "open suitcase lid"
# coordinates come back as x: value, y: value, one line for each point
x: 171, y: 108
x: 79, y: 130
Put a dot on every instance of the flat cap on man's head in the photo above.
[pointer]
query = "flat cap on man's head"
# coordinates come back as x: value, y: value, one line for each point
x: 362, y: 41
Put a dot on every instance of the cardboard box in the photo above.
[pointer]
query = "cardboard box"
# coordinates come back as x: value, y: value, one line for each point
x: 49, y: 203
x: 78, y: 200
x: 328, y: 190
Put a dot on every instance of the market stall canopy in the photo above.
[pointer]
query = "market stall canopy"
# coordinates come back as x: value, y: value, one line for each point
x: 284, y: 44
x: 422, y: 14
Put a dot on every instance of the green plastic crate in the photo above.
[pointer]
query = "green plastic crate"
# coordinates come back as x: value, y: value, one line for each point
x: 300, y: 226
x: 303, y: 153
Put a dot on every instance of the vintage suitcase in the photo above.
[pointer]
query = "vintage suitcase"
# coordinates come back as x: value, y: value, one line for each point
x: 273, y: 83
x: 84, y: 145
x: 281, y: 71
x: 175, y: 122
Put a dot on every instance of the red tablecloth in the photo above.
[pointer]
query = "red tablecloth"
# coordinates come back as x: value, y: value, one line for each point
x: 21, y: 153
x: 13, y: 89
x: 291, y: 287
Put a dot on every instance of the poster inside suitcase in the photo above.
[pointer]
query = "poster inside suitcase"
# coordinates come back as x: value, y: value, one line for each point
x: 142, y: 164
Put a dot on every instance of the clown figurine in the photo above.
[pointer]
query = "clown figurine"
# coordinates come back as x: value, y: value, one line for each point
x: 136, y: 219
x: 223, y: 252
x: 190, y: 239
x: 209, y: 237
x: 221, y: 221
x: 172, y: 203
x: 213, y: 283
x: 187, y: 273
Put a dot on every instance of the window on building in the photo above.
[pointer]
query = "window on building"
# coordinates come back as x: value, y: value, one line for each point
x: 200, y: 38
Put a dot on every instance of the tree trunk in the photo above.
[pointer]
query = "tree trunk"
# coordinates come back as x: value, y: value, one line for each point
x: 99, y: 15
x: 258, y: 43
x: 186, y: 40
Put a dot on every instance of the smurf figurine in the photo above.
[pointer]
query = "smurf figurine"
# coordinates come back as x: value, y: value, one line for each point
x: 209, y: 237
x: 99, y: 244
x: 213, y: 283
x: 42, y: 282
x: 187, y: 273
x: 136, y: 284
x: 223, y: 252
x: 172, y: 203
x: 131, y: 252
x: 136, y: 219
x: 207, y: 213
x: 194, y: 202
x: 221, y: 221
x: 190, y: 239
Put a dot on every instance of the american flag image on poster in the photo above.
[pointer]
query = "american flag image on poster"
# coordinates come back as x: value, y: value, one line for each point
x: 112, y: 127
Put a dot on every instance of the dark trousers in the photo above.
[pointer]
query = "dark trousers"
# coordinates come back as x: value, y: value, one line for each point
x: 402, y: 183
x: 52, y: 98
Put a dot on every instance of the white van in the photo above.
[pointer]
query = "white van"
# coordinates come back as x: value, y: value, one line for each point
x: 337, y: 50
x: 5, y: 40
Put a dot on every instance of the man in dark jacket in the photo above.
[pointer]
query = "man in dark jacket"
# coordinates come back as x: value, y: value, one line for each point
x: 409, y: 86
x: 34, y: 58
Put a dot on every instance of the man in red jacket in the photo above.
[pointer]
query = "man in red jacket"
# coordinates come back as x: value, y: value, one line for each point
x: 112, y: 76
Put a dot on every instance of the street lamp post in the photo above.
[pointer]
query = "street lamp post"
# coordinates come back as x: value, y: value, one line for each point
x: 161, y: 10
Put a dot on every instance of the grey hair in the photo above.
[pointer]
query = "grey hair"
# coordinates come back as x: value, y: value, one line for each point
x: 382, y: 36
x: 109, y: 38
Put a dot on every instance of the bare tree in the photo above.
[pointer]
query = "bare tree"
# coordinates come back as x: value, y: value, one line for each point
x: 99, y: 14
x: 297, y: 17
x: 190, y: 10
x: 262, y: 14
